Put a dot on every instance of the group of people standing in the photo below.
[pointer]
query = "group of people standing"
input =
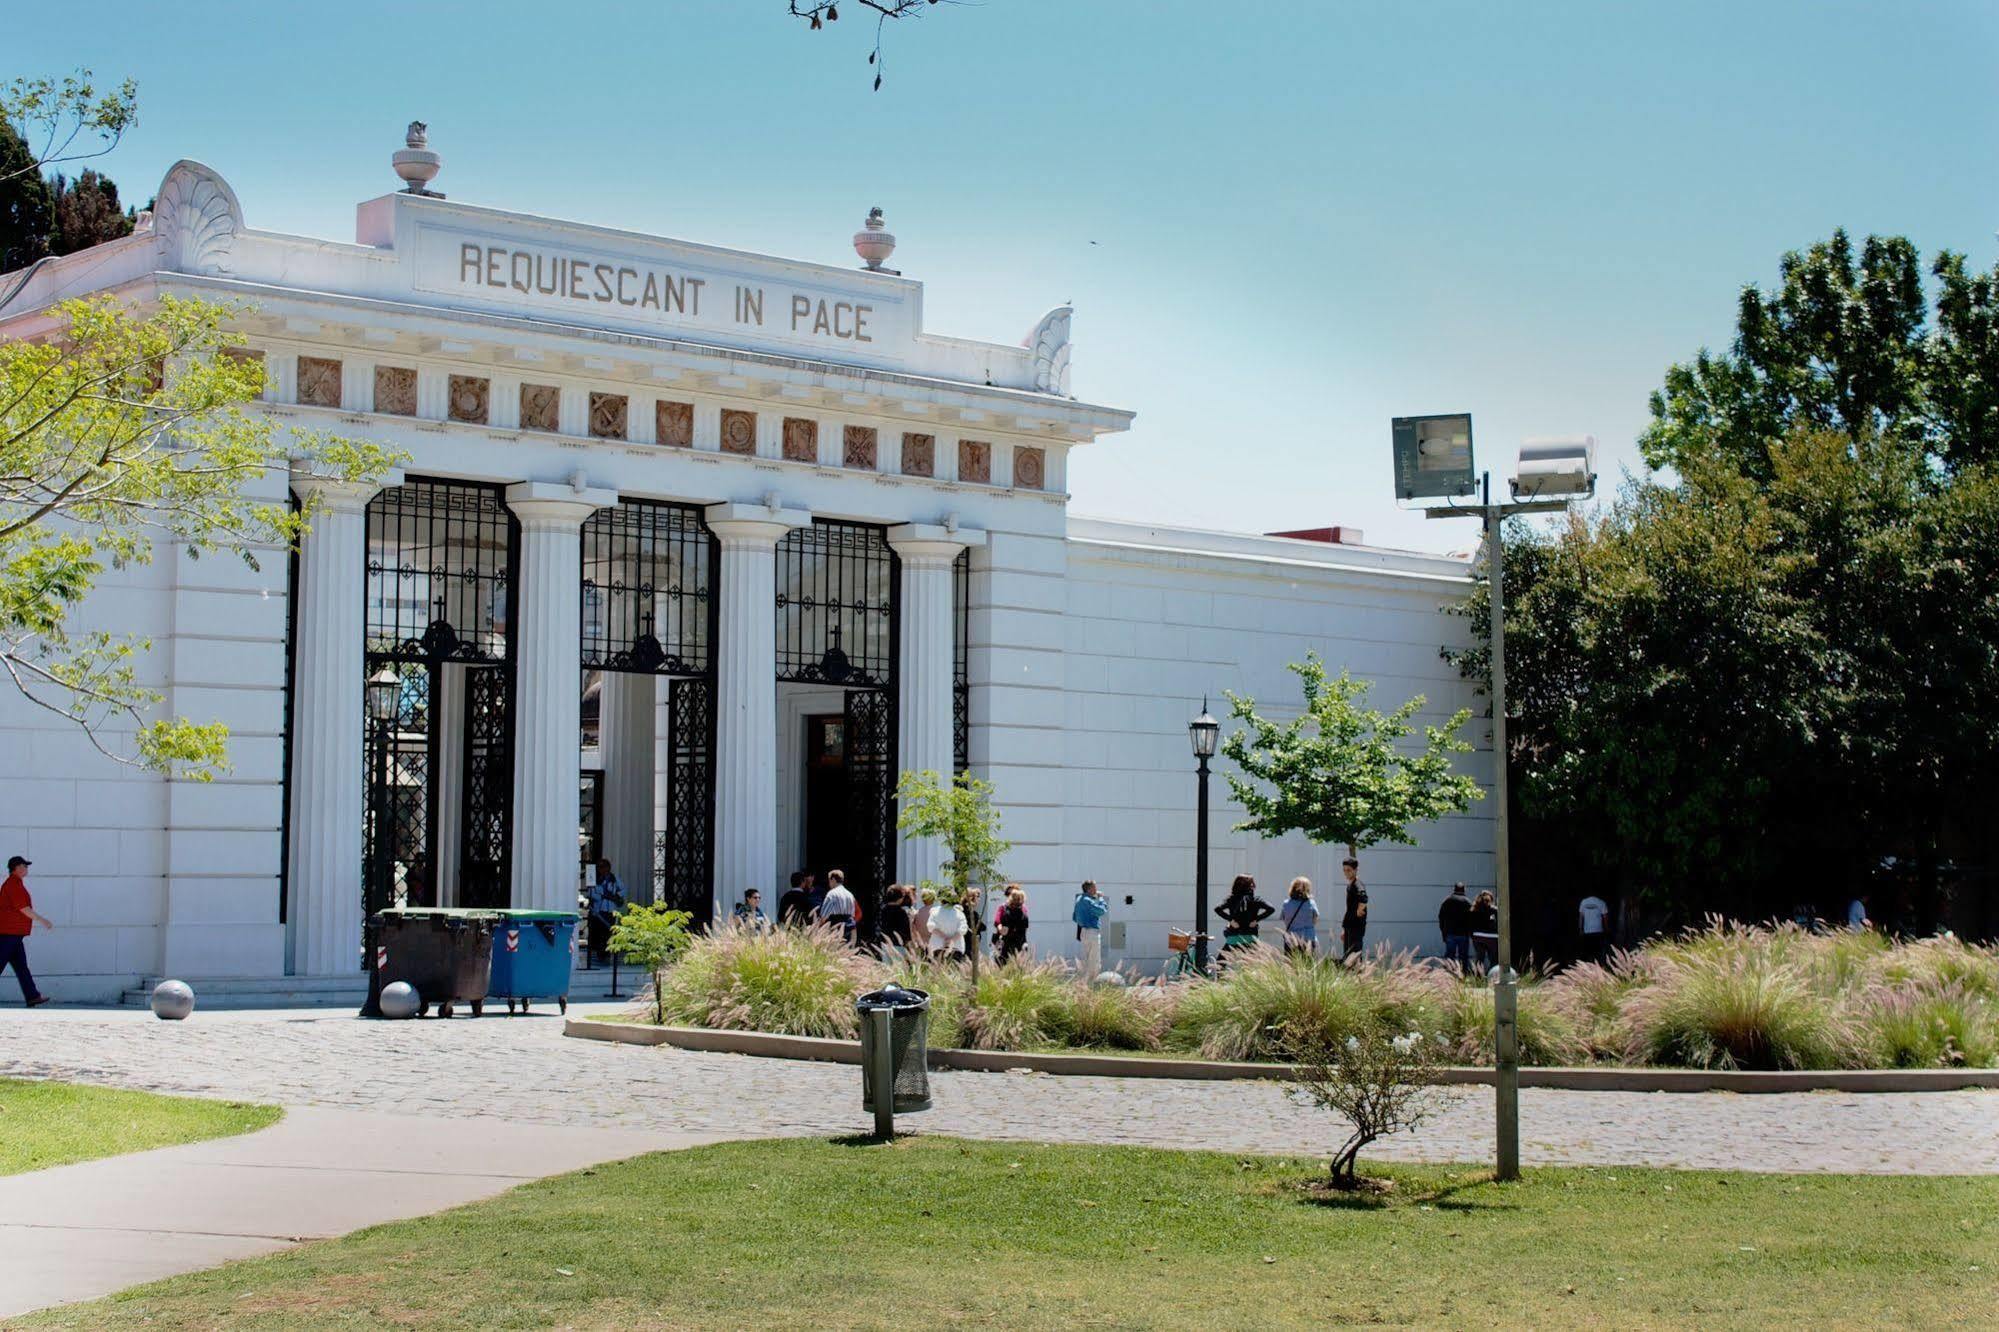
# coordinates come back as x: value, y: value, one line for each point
x: 909, y: 918
x: 1243, y: 913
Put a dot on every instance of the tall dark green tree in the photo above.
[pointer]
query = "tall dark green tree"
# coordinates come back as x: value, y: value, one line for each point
x: 1755, y: 680
x: 24, y: 203
x: 84, y: 213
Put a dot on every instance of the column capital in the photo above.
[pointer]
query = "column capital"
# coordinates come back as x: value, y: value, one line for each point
x: 338, y: 493
x: 754, y: 524
x: 557, y: 503
x: 933, y: 541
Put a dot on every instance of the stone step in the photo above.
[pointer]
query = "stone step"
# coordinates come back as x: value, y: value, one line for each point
x: 236, y: 992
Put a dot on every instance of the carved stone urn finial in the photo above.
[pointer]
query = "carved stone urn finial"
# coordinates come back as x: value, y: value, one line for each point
x: 416, y: 163
x: 874, y: 244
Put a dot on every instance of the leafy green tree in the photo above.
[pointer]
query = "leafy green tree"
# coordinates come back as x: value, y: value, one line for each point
x: 118, y: 431
x: 651, y: 937
x: 1341, y: 772
x: 958, y: 812
x: 1845, y: 344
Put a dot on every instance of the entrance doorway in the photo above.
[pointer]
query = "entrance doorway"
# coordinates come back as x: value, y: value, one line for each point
x: 829, y: 828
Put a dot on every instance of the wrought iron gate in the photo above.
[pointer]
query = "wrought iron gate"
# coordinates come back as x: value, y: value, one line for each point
x: 649, y: 608
x: 961, y: 652
x: 839, y: 599
x: 439, y: 583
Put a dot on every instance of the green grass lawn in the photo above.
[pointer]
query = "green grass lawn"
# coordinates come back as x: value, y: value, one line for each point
x: 46, y: 1124
x: 935, y: 1232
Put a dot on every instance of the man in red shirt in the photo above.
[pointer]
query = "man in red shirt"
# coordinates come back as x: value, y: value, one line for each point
x: 17, y: 917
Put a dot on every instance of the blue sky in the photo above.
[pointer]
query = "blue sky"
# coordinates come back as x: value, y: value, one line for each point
x: 1281, y: 224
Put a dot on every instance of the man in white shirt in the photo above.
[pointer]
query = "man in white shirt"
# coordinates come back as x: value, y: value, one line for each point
x: 838, y: 906
x: 1593, y: 914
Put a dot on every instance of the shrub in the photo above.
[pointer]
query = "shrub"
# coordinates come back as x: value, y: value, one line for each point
x: 1118, y: 1017
x: 1548, y: 1030
x: 1271, y: 999
x: 792, y: 982
x: 1019, y: 1006
x: 949, y: 990
x: 1594, y: 997
x: 1945, y: 965
x: 1941, y: 1028
x: 1377, y: 1080
x: 1727, y: 1009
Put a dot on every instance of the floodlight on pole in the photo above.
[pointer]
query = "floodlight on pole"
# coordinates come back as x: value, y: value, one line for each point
x: 1552, y: 473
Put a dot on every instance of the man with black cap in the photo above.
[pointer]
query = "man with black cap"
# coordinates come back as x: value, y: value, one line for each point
x: 17, y: 917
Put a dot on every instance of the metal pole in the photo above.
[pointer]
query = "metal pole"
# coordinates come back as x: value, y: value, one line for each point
x: 883, y: 1074
x: 1201, y: 877
x: 1506, y: 1050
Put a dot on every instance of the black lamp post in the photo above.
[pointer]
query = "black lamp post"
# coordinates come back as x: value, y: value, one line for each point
x: 1203, y: 732
x: 380, y: 698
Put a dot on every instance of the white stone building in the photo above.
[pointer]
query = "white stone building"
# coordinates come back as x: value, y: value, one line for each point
x: 693, y: 550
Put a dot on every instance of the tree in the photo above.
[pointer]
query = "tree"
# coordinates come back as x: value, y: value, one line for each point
x: 24, y: 203
x: 117, y: 431
x: 85, y: 213
x: 1378, y: 1081
x: 1844, y: 344
x: 1340, y: 772
x: 958, y: 813
x: 651, y: 937
x: 818, y: 13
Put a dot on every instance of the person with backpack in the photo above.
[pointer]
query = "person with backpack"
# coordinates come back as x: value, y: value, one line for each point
x: 1088, y: 916
x: 1300, y: 918
x: 1242, y: 913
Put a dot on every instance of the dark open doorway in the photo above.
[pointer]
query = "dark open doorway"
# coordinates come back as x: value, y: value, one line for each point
x: 829, y: 828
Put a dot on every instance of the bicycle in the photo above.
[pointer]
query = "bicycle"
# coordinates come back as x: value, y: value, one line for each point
x: 1180, y: 943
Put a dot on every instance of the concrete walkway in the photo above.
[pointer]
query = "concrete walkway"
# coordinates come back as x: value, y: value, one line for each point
x: 80, y: 1231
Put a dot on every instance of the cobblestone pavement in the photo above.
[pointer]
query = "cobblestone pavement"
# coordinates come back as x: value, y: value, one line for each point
x: 523, y: 1069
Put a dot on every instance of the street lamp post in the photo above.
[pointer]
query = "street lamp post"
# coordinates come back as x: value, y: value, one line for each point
x: 380, y: 697
x: 1434, y: 459
x: 1203, y: 732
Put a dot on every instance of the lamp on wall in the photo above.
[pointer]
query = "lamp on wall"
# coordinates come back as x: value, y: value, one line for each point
x: 1203, y: 733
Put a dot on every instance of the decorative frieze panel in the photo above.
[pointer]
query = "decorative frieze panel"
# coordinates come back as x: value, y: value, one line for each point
x: 673, y: 424
x: 919, y: 455
x: 858, y: 447
x: 1030, y: 467
x: 608, y: 414
x: 739, y: 432
x: 541, y: 407
x: 801, y: 439
x: 469, y: 398
x: 975, y: 461
x: 395, y: 389
x: 318, y: 381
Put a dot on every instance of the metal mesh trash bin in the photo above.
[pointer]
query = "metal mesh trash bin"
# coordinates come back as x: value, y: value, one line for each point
x: 908, y: 1038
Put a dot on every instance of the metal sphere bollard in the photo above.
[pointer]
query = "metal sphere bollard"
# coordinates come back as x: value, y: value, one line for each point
x: 400, y: 1000
x: 172, y: 1000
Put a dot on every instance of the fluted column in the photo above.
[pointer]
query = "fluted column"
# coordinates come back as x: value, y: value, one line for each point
x: 746, y: 698
x: 626, y: 713
x: 323, y: 914
x: 548, y: 689
x: 924, y: 674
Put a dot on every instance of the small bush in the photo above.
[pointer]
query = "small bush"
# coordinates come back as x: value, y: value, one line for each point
x: 791, y: 982
x: 1549, y: 1033
x: 1945, y: 965
x: 1118, y: 1017
x: 1728, y: 1010
x: 1019, y: 1006
x: 1928, y: 1029
x: 1271, y: 1000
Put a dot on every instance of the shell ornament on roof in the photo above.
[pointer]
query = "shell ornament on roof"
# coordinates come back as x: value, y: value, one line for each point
x: 196, y: 219
x: 1048, y: 346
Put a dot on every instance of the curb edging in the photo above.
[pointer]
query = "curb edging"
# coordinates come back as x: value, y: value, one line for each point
x: 769, y: 1046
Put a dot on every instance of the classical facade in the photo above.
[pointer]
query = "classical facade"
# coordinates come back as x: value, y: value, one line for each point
x: 692, y: 551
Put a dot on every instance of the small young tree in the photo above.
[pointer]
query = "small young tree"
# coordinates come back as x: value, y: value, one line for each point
x: 1379, y: 1083
x: 651, y: 937
x: 959, y: 813
x: 1339, y: 772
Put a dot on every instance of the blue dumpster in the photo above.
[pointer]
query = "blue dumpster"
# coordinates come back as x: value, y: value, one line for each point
x: 532, y: 952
